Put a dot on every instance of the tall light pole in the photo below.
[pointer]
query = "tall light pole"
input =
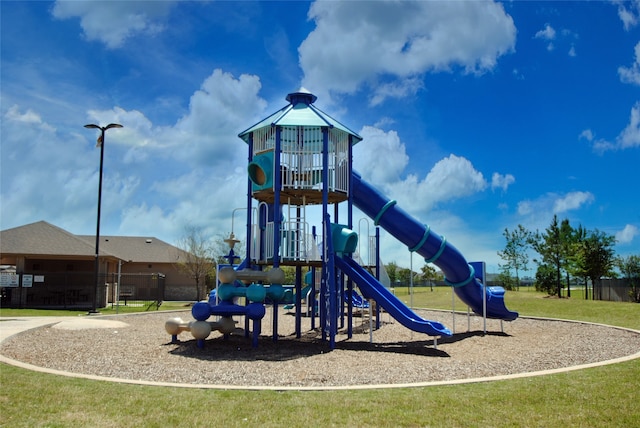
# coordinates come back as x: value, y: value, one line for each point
x: 102, y: 129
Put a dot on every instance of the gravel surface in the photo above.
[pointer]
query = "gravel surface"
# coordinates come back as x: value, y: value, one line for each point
x: 137, y: 347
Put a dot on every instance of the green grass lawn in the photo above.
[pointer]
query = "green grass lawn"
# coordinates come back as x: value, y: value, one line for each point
x: 599, y: 397
x: 131, y: 307
x: 532, y: 303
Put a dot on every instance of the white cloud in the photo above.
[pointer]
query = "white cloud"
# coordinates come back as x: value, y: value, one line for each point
x: 399, y: 40
x: 200, y: 198
x: 552, y: 38
x: 572, y: 201
x: 45, y: 172
x: 517, y: 74
x: 631, y: 74
x: 630, y: 135
x: 203, y: 150
x: 451, y: 178
x: 381, y: 157
x: 626, y: 235
x: 525, y: 208
x: 201, y: 161
x: 535, y: 213
x: 396, y: 89
x: 601, y: 145
x: 28, y: 117
x: 196, y: 160
x: 113, y: 22
x: 454, y: 177
x: 628, y: 138
x: 628, y: 12
x: 221, y: 107
x: 587, y: 134
x: 598, y: 145
x: 547, y: 33
x: 499, y: 181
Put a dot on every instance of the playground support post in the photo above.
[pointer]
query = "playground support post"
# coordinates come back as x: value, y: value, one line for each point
x: 453, y: 310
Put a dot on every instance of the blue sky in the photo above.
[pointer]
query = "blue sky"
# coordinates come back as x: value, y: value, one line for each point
x: 476, y: 116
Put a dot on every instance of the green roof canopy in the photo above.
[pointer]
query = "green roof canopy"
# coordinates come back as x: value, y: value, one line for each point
x: 300, y: 112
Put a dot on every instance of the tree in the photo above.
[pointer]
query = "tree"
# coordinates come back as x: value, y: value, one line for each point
x: 515, y: 251
x: 392, y: 271
x: 630, y: 268
x: 546, y: 279
x: 549, y: 245
x: 577, y: 258
x: 599, y: 258
x: 404, y: 276
x: 196, y: 259
x: 506, y: 280
x: 567, y: 243
x: 428, y: 274
x: 290, y: 274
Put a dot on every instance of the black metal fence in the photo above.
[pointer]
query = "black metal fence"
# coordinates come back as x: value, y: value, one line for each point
x: 77, y: 290
x: 136, y: 289
x: 60, y: 290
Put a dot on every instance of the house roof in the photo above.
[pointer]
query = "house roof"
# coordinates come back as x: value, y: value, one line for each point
x: 138, y: 249
x: 44, y: 239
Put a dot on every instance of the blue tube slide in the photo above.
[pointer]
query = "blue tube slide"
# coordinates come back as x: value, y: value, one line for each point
x: 434, y: 248
x: 371, y: 288
x: 355, y: 300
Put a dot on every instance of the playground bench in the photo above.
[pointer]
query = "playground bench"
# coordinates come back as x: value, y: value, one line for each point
x: 125, y: 294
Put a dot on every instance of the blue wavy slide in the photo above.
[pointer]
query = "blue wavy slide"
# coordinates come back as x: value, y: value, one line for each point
x: 371, y: 288
x: 434, y: 248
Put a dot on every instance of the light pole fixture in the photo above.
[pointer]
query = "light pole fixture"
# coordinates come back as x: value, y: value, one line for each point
x: 94, y: 308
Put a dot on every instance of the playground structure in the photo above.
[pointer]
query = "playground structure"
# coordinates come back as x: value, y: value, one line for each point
x: 300, y: 157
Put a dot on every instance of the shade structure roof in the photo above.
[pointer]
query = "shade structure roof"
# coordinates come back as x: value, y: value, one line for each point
x: 300, y: 112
